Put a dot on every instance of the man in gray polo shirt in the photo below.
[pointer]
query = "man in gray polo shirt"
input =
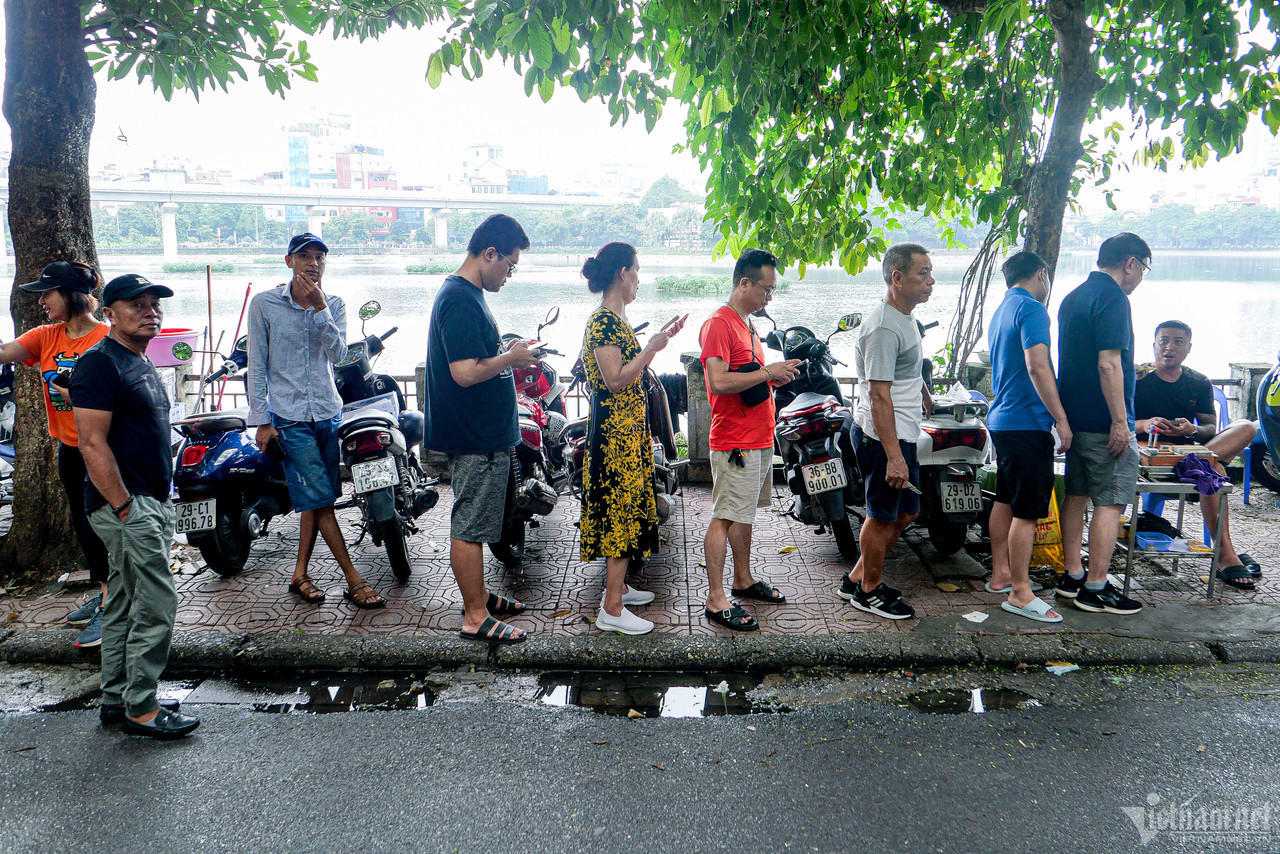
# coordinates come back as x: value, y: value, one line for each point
x: 891, y: 402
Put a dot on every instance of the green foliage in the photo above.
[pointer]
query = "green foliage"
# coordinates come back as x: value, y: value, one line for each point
x: 433, y: 268
x: 702, y: 284
x: 820, y: 123
x: 1180, y: 227
x: 665, y: 192
x: 197, y: 267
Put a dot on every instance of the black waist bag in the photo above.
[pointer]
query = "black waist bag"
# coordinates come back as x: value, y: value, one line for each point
x: 757, y: 394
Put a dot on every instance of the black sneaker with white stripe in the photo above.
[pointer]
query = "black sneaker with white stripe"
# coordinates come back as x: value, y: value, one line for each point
x: 1109, y: 600
x: 884, y: 601
x: 849, y: 586
x: 1068, y: 587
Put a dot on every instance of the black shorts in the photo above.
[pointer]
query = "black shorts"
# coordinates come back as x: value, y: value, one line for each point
x: 1024, y: 473
x: 884, y: 503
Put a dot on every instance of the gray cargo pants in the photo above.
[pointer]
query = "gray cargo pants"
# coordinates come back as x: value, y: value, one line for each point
x: 141, y: 604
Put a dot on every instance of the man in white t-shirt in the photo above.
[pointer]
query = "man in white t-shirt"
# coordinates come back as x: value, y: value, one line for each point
x: 891, y: 403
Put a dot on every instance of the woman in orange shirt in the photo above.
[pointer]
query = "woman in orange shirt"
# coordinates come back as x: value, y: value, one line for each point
x: 65, y: 295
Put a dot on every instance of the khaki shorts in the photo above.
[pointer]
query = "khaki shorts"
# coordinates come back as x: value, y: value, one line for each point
x: 736, y: 491
x: 1091, y: 471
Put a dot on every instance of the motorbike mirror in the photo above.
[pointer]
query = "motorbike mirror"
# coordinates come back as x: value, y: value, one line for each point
x: 552, y: 316
x: 849, y: 322
x: 762, y: 312
x: 242, y: 343
x: 370, y: 309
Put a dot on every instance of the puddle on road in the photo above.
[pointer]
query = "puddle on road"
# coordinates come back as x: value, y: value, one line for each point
x: 317, y: 696
x: 977, y: 700
x: 654, y: 695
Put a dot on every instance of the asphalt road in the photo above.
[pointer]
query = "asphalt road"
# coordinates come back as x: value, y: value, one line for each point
x: 485, y: 775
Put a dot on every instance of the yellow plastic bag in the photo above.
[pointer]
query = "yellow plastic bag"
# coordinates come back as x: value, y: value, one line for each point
x: 1048, y: 543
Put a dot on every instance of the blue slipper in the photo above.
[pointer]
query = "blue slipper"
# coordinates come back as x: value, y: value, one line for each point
x: 1005, y: 591
x: 1037, y: 609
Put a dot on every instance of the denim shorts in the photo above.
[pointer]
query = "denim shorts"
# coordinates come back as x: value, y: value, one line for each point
x: 310, y: 461
x: 884, y: 503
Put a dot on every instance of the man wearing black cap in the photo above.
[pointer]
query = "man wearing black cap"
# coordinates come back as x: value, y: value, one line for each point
x: 122, y: 417
x: 297, y: 333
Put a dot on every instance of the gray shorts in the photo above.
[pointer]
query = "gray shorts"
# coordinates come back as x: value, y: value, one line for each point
x: 479, y: 496
x: 736, y: 491
x: 1091, y: 471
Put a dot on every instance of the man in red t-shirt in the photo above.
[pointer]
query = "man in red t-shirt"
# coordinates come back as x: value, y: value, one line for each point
x: 741, y: 435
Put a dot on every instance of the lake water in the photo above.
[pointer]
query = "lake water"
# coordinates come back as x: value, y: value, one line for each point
x: 1232, y: 300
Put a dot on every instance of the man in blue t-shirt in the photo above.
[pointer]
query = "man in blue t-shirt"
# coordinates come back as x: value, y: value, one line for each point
x: 1024, y: 407
x: 471, y: 416
x: 1096, y: 381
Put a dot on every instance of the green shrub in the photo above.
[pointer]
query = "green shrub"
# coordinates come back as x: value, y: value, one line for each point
x: 702, y: 284
x: 198, y: 267
x: 434, y: 267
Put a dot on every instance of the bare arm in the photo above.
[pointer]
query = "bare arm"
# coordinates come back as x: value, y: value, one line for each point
x: 1040, y: 368
x: 721, y: 380
x: 1111, y: 376
x: 617, y: 375
x: 896, y: 474
x: 92, y: 425
x: 12, y: 351
x: 469, y: 372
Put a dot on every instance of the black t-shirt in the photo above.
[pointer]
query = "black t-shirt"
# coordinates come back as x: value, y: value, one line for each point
x: 1094, y: 317
x: 480, y: 419
x: 1192, y: 394
x: 112, y: 378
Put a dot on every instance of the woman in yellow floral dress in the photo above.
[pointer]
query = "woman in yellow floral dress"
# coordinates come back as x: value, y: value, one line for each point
x: 619, y: 518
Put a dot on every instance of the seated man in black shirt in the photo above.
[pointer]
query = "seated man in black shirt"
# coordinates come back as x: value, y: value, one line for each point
x: 1178, y: 403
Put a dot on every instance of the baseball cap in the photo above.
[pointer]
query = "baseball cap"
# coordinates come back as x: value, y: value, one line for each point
x: 302, y: 241
x: 63, y: 274
x: 130, y: 285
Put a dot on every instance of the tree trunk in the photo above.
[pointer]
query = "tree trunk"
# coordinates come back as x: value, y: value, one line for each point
x: 49, y: 102
x: 1078, y: 82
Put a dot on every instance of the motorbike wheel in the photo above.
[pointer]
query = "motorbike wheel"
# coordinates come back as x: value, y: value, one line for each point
x: 846, y: 539
x: 947, y: 536
x: 510, y: 548
x: 1263, y: 470
x: 397, y: 552
x: 225, y: 549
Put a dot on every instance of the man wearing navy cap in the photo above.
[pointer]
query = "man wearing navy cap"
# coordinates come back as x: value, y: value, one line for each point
x: 297, y: 333
x: 122, y: 417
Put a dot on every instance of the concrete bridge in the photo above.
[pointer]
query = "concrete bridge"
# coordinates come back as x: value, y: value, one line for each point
x: 437, y: 204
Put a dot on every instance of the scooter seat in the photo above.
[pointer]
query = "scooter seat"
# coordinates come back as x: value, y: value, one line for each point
x: 363, y: 419
x: 806, y: 400
x: 575, y: 429
x: 209, y: 423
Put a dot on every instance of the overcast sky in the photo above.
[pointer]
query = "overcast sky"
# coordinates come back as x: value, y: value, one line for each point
x: 382, y: 87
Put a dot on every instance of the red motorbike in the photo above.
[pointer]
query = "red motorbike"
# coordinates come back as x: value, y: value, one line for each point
x: 537, y: 471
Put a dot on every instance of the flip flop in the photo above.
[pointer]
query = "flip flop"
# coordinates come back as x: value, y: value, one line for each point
x: 300, y: 590
x: 495, y: 632
x: 761, y: 591
x: 501, y: 606
x: 1037, y: 609
x: 986, y: 585
x: 1236, y: 576
x: 727, y: 617
x: 1247, y: 560
x: 350, y: 596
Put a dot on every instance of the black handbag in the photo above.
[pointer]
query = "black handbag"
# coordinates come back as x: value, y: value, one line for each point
x: 757, y: 394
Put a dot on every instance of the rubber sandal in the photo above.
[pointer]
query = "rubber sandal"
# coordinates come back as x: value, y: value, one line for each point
x: 1037, y: 609
x: 761, y: 591
x: 501, y: 606
x: 728, y: 615
x: 350, y: 595
x: 1236, y: 576
x: 1247, y: 561
x: 495, y: 632
x: 300, y: 591
x: 1005, y: 591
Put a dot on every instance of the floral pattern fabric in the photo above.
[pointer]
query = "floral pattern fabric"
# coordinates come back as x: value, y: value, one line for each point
x: 619, y: 517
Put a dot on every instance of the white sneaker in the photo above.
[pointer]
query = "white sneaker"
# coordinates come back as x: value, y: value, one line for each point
x: 637, y: 597
x: 626, y: 623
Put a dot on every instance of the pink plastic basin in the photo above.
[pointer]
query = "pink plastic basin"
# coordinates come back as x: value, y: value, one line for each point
x: 173, y: 347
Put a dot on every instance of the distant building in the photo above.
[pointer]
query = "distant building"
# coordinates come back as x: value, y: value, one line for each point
x: 527, y: 185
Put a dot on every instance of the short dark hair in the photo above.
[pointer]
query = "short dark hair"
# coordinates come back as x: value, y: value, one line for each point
x: 600, y: 270
x: 899, y: 258
x: 501, y: 232
x: 1021, y: 266
x: 1115, y: 251
x: 751, y: 262
x: 1174, y: 324
x: 78, y: 302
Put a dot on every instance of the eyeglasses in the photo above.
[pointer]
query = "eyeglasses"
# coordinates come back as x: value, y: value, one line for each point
x: 511, y: 268
x: 767, y: 291
x: 1146, y: 266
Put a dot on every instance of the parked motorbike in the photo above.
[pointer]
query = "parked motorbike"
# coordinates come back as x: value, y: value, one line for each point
x: 377, y: 436
x: 8, y: 410
x: 952, y: 447
x: 667, y: 465
x: 532, y: 489
x: 1263, y: 466
x: 813, y: 433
